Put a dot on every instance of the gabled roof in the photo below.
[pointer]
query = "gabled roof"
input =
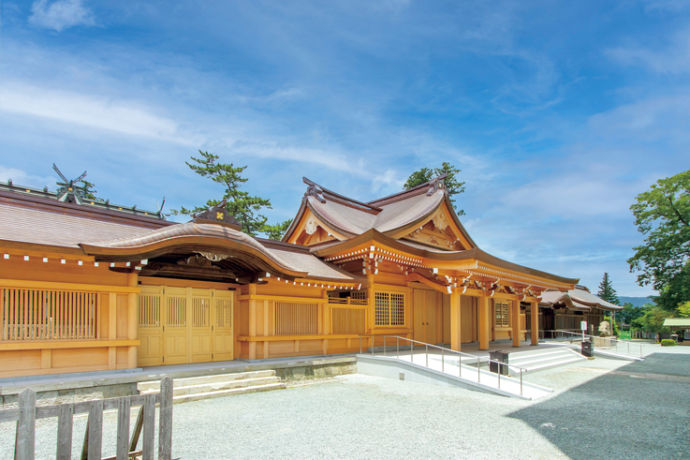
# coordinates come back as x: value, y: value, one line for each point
x: 577, y: 299
x: 388, y: 215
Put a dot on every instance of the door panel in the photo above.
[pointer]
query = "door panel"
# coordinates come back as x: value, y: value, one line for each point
x: 200, y: 337
x: 469, y: 318
x: 150, y: 326
x: 175, y: 323
x: 427, y: 314
x: 222, y: 334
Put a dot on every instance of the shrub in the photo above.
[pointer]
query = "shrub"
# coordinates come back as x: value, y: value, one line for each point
x: 667, y: 342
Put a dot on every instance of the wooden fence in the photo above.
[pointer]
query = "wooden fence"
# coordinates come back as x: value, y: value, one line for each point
x: 27, y: 413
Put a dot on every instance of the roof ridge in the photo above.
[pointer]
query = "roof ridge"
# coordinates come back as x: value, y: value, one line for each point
x: 318, y: 191
x: 414, y: 191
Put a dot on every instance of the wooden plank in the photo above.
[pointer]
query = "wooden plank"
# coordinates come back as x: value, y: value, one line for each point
x: 165, y: 420
x: 40, y: 345
x: 137, y: 430
x: 95, y: 430
x: 64, y: 435
x: 25, y: 438
x: 123, y: 412
x: 28, y: 284
x: 149, y: 427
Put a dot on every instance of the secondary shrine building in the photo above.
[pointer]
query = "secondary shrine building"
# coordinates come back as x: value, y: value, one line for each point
x: 87, y: 285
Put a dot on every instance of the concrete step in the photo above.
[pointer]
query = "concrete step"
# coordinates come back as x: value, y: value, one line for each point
x: 233, y: 391
x: 525, y: 359
x: 549, y: 365
x: 530, y: 354
x: 207, y: 379
x: 219, y: 386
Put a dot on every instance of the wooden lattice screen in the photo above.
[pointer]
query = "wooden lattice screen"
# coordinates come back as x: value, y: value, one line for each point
x: 296, y: 318
x: 43, y: 314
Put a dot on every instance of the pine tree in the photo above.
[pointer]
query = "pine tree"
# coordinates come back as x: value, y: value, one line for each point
x: 453, y: 185
x: 240, y: 204
x: 606, y: 290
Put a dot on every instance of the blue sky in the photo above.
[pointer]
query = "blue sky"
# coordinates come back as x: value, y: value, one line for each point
x: 558, y: 113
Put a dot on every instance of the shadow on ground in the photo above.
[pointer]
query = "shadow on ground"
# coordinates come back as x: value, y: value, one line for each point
x: 641, y: 410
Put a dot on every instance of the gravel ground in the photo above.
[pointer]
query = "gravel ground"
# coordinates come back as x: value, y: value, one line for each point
x: 603, y: 409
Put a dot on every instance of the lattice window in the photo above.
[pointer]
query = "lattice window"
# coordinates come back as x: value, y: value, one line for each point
x: 296, y: 318
x: 201, y: 311
x: 35, y: 314
x: 502, y: 314
x: 177, y: 312
x: 389, y: 309
x: 149, y: 310
x: 223, y: 312
x: 347, y: 297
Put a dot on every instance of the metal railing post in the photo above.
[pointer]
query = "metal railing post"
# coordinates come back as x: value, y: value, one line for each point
x: 499, y: 369
x: 384, y: 345
x: 360, y: 344
x: 479, y: 376
x: 521, y: 369
x: 426, y: 352
x: 397, y: 346
x: 443, y: 362
x: 411, y: 352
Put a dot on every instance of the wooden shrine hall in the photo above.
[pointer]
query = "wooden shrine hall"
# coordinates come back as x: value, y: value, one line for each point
x: 86, y: 285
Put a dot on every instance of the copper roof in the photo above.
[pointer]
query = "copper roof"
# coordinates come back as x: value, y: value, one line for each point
x: 387, y: 215
x: 45, y: 221
x: 577, y: 299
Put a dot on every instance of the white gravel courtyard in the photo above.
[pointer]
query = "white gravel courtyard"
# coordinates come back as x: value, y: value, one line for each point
x: 604, y: 409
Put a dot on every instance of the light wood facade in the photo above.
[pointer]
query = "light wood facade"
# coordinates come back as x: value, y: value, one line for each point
x: 128, y: 292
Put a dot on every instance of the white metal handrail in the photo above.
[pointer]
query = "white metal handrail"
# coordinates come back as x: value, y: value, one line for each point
x: 477, y: 359
x: 578, y: 337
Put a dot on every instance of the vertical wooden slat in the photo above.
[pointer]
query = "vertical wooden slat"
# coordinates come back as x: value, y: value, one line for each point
x: 64, y: 433
x: 137, y: 430
x: 165, y: 420
x: 95, y: 427
x: 5, y: 319
x: 123, y: 412
x: 25, y: 438
x: 149, y: 427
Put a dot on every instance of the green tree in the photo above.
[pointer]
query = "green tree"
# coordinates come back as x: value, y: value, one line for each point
x: 606, y: 290
x: 276, y: 232
x: 662, y: 214
x: 652, y: 319
x: 683, y: 310
x: 240, y: 204
x: 453, y: 185
x: 629, y: 313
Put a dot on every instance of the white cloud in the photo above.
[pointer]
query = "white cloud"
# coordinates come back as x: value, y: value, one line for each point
x: 20, y: 177
x: 673, y: 58
x: 88, y: 110
x: 60, y: 14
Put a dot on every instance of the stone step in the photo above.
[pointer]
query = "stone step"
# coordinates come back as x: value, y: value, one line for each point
x: 206, y: 379
x: 219, y: 386
x: 233, y: 391
x: 551, y: 359
x: 518, y: 361
x: 548, y: 365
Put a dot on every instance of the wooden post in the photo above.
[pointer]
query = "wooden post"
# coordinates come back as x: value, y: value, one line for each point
x: 133, y: 320
x: 112, y: 329
x: 455, y: 321
x: 515, y: 321
x: 95, y: 430
x: 484, y: 322
x: 25, y: 437
x: 123, y: 413
x: 64, y: 434
x: 252, y: 320
x: 149, y: 426
x: 534, y: 322
x: 165, y: 420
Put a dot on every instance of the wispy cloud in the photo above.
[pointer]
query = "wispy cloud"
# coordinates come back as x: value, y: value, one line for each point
x: 672, y: 57
x: 60, y: 14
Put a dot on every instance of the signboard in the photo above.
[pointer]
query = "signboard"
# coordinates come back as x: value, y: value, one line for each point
x: 583, y: 325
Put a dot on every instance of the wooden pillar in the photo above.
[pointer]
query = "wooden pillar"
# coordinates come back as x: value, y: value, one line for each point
x: 112, y: 329
x: 484, y: 322
x: 252, y: 320
x: 515, y: 322
x: 132, y: 320
x: 371, y: 304
x: 534, y: 322
x: 455, y: 321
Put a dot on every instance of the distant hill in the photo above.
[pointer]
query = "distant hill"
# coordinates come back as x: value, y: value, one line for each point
x: 636, y: 301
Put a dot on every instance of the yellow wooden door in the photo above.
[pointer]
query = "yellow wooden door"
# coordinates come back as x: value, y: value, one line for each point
x: 200, y: 330
x: 175, y: 337
x: 150, y: 326
x: 222, y: 332
x: 426, y: 315
x: 419, y: 310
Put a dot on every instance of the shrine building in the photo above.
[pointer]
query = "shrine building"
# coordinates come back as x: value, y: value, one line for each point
x: 87, y: 285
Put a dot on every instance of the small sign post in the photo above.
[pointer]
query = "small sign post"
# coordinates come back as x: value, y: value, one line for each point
x: 583, y: 328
